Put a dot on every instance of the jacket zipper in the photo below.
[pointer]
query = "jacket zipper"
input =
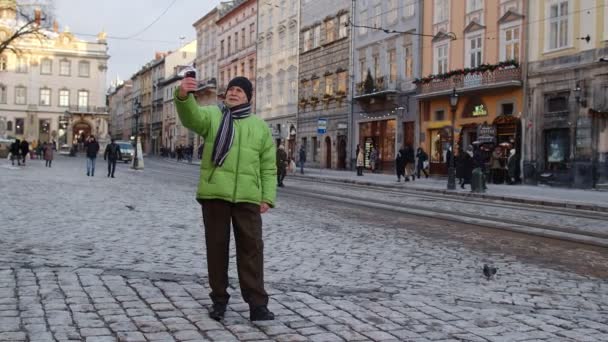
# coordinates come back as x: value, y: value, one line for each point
x: 238, y: 159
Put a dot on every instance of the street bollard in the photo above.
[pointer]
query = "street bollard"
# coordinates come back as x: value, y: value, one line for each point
x: 478, y: 181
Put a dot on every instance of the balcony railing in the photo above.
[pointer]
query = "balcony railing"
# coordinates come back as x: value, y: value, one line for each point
x: 88, y: 109
x: 501, y: 76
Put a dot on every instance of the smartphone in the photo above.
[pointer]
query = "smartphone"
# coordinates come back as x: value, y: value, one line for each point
x: 190, y: 73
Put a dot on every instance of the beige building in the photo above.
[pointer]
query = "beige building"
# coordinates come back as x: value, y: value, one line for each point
x: 119, y: 109
x: 277, y: 69
x: 174, y: 133
x: 54, y: 90
x: 206, y: 59
x: 566, y: 116
x: 237, y: 34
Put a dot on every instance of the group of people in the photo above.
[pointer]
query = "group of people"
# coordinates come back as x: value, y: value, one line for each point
x: 406, y: 161
x: 19, y: 150
x: 111, y: 154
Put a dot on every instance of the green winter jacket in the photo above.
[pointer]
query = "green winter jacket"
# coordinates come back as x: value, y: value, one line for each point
x: 249, y: 172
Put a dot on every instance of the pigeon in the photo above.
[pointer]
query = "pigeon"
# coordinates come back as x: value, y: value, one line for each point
x: 489, y: 271
x: 130, y: 207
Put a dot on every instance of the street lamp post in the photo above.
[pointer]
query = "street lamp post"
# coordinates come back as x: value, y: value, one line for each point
x: 452, y: 167
x: 136, y: 110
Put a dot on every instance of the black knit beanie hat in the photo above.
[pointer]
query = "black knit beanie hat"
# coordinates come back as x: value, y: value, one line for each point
x: 243, y: 83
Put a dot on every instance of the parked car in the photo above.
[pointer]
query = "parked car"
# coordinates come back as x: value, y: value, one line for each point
x: 126, y: 150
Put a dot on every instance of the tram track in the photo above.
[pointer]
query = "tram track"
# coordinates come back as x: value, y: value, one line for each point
x: 365, y: 199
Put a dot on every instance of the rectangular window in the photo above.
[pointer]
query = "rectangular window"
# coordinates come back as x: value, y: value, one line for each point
x: 343, y: 31
x: 3, y: 94
x: 342, y: 79
x: 242, y: 68
x: 557, y: 103
x: 252, y: 33
x: 21, y: 64
x: 315, y: 87
x: 293, y: 89
x: 393, y: 11
x: 222, y: 49
x: 64, y: 68
x: 392, y: 63
x: 251, y: 69
x: 46, y: 66
x: 409, y: 9
x: 507, y: 108
x: 441, y: 59
x: 236, y: 41
x: 441, y: 11
x: 19, y: 123
x: 363, y: 22
x: 409, y: 62
x: 9, y: 126
x: 281, y: 91
x: 20, y: 95
x: 84, y: 69
x: 510, y: 50
x: 64, y: 98
x: 363, y: 69
x: 83, y: 99
x: 329, y: 85
x: 316, y: 38
x: 45, y: 97
x: 330, y: 31
x: 229, y: 48
x: 377, y: 21
x: 376, y: 59
x: 558, y: 25
x: 307, y: 40
x: 243, y: 38
x: 439, y: 115
x: 3, y: 63
x: 557, y: 148
x: 474, y: 5
x: 475, y: 52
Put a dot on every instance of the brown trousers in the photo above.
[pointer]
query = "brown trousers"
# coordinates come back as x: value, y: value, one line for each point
x: 247, y: 223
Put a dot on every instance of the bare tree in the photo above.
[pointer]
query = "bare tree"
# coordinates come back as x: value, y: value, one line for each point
x: 32, y: 18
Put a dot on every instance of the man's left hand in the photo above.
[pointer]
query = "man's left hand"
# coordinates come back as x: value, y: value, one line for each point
x: 264, y: 207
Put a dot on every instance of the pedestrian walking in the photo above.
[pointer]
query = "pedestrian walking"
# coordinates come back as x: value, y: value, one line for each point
x: 373, y: 158
x: 302, y: 156
x: 410, y: 160
x: 92, y: 149
x: 25, y: 149
x: 112, y: 154
x: 16, y: 152
x: 400, y: 164
x: 465, y: 166
x: 282, y: 163
x: 238, y: 183
x: 360, y: 161
x: 513, y: 166
x: 422, y: 164
x: 47, y: 149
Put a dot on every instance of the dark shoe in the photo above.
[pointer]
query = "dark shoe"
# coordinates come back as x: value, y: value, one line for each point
x: 87, y: 174
x: 260, y: 313
x: 112, y: 176
x: 462, y: 186
x: 217, y: 311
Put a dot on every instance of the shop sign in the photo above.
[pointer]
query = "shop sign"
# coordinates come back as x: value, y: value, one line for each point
x: 480, y: 111
x: 486, y: 133
x: 321, y: 126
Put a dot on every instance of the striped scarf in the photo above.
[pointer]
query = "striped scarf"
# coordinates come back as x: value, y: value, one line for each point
x: 225, y: 133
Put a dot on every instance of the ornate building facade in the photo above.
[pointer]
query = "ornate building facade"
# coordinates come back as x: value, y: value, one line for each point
x: 52, y: 88
x: 277, y: 69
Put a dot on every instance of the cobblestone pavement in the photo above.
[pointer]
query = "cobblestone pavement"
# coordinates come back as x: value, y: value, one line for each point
x: 77, y: 264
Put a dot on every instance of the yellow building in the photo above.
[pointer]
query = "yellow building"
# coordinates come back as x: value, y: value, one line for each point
x: 474, y: 50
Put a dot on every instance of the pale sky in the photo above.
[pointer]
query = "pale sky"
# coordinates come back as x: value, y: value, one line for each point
x: 125, y: 18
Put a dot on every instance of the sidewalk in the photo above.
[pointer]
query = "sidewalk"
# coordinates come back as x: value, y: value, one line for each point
x: 529, y: 194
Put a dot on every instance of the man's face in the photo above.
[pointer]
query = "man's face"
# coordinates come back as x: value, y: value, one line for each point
x: 235, y: 96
